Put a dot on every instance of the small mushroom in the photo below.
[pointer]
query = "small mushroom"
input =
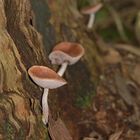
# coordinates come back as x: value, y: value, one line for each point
x: 66, y: 53
x: 47, y: 79
x: 91, y: 11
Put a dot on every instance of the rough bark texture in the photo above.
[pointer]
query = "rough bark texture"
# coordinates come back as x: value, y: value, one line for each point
x: 69, y: 25
x: 20, y: 47
x: 26, y: 39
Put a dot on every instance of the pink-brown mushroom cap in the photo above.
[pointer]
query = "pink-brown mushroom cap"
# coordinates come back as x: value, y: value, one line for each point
x: 66, y: 52
x: 92, y: 9
x: 46, y: 77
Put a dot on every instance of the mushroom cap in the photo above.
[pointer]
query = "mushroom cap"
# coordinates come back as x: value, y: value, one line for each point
x: 46, y: 77
x: 66, y: 52
x: 91, y: 9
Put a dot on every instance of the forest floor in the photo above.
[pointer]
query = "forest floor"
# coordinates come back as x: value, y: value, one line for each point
x: 114, y: 111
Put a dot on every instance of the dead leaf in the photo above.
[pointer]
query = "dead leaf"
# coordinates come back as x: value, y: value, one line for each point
x: 58, y: 130
x: 136, y: 74
x: 101, y: 115
x: 93, y: 136
x: 129, y: 48
x: 116, y: 135
x: 122, y: 89
x: 112, y: 57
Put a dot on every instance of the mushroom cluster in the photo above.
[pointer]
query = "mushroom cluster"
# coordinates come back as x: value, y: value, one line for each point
x: 64, y: 54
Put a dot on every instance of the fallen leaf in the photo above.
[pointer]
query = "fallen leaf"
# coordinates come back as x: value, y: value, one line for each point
x: 116, y: 135
x: 136, y: 74
x: 112, y: 57
x: 129, y: 48
x: 58, y: 130
x: 95, y: 135
x: 122, y: 89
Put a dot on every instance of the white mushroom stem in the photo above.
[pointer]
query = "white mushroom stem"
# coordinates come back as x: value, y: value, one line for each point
x: 62, y: 69
x: 45, y: 108
x: 91, y: 20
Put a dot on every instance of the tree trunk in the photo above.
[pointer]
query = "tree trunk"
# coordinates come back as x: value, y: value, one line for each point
x: 26, y: 39
x: 20, y: 47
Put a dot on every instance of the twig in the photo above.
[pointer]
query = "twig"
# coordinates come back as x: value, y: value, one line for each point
x: 127, y: 47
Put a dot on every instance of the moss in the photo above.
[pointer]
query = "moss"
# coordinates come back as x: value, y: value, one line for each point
x: 109, y: 34
x: 9, y: 131
x: 83, y: 102
x: 21, y: 134
x: 129, y: 34
x: 84, y: 98
x: 83, y: 90
x: 102, y: 15
x: 43, y: 127
x: 47, y: 137
x: 82, y: 3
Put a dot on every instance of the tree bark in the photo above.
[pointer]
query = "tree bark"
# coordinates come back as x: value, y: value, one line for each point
x: 26, y: 39
x: 20, y: 47
x: 69, y: 25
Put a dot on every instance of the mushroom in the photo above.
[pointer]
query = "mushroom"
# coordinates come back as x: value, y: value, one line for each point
x: 47, y: 79
x: 91, y: 10
x: 66, y: 53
